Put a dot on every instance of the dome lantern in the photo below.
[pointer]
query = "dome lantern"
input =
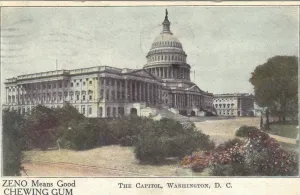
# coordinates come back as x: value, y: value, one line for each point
x: 166, y: 25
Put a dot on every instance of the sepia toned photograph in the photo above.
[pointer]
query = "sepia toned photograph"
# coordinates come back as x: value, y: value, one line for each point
x: 150, y: 91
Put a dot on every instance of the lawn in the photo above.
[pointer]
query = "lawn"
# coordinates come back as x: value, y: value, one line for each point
x: 109, y: 157
x: 285, y: 130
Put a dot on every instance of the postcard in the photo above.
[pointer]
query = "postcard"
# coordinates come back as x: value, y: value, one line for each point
x: 149, y: 98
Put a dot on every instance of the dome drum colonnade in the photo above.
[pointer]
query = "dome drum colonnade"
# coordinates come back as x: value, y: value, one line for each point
x: 167, y: 60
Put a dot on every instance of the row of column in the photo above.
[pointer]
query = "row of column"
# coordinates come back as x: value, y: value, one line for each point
x: 187, y: 100
x: 135, y: 91
x: 171, y: 72
x: 39, y: 95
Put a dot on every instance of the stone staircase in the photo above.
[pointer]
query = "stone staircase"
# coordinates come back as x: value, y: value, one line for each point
x: 165, y: 113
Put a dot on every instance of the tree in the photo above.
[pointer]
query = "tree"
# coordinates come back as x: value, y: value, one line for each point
x: 13, y: 143
x: 40, y: 127
x: 66, y: 114
x: 275, y: 85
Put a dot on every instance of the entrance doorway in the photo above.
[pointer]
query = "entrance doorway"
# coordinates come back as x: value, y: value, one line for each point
x: 133, y: 111
x: 193, y: 113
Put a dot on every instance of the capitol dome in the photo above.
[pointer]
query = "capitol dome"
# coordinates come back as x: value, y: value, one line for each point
x: 166, y: 58
x: 166, y: 40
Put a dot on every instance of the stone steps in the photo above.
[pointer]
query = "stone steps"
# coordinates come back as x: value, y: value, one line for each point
x: 165, y: 113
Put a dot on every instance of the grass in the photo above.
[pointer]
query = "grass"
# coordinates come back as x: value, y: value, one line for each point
x: 290, y: 147
x: 285, y: 130
x: 112, y: 157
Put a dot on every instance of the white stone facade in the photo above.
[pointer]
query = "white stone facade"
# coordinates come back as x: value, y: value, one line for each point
x: 105, y: 91
x: 238, y: 104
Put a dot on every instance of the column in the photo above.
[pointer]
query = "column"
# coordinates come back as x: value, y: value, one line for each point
x: 167, y: 75
x: 175, y: 101
x: 144, y: 91
x: 148, y: 92
x: 160, y: 94
x: 126, y: 90
x: 130, y: 90
x: 103, y: 87
x: 135, y: 91
x: 140, y: 90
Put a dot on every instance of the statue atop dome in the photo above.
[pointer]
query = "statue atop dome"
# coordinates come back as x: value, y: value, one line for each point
x: 166, y: 24
x: 166, y: 17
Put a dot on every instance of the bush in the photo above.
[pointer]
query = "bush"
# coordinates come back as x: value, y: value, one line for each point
x: 229, y: 144
x: 128, y: 140
x: 260, y: 155
x: 86, y: 134
x: 40, y: 127
x: 244, y: 131
x: 13, y: 143
x: 168, y: 138
x: 150, y: 149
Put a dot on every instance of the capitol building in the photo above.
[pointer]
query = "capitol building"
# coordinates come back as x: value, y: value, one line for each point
x: 163, y: 83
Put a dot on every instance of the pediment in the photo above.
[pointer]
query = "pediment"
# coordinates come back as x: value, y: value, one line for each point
x: 195, y: 88
x: 142, y: 73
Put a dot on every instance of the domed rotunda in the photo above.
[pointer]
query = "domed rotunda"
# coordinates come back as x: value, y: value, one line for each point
x: 166, y: 60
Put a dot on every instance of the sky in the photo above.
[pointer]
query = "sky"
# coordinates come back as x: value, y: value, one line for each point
x: 223, y: 44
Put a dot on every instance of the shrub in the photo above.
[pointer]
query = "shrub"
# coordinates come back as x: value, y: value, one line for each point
x: 40, y: 127
x: 168, y: 138
x: 244, y: 131
x: 13, y: 143
x: 150, y: 149
x: 229, y: 144
x: 80, y: 135
x: 259, y: 155
x: 128, y: 140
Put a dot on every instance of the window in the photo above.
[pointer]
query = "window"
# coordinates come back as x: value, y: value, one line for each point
x: 83, y: 110
x: 83, y: 97
x: 113, y: 94
x: 77, y: 97
x: 59, y: 97
x: 60, y: 85
x: 101, y: 93
x: 71, y: 84
x: 114, y: 111
x: 77, y: 84
x: 83, y: 83
x: 90, y: 109
x: 91, y: 82
x: 101, y: 111
x: 108, y: 111
x: 90, y: 97
x: 107, y: 94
